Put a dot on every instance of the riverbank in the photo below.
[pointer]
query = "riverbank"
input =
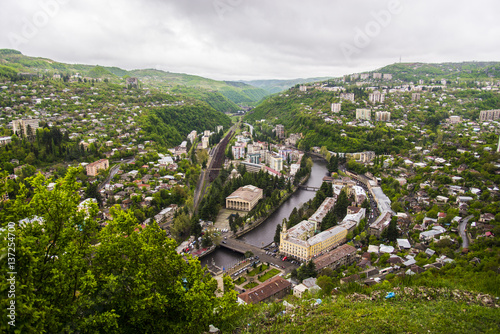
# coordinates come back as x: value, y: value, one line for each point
x: 249, y: 227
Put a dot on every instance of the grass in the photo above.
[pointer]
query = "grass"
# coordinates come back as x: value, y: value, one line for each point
x: 251, y: 285
x: 269, y: 274
x: 240, y: 280
x: 258, y: 270
x: 349, y: 315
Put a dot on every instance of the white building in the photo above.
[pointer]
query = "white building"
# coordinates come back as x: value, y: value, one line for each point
x: 335, y: 107
x: 364, y: 114
x: 238, y: 152
x: 376, y: 97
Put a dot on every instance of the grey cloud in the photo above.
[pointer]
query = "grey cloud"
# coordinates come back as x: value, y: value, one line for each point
x: 245, y: 39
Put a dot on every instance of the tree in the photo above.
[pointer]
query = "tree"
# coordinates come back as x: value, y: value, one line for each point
x: 71, y: 277
x: 326, y: 284
x: 328, y: 221
x: 30, y: 159
x: 277, y: 234
x: 366, y: 205
x: 333, y: 164
x: 391, y: 232
x: 341, y: 205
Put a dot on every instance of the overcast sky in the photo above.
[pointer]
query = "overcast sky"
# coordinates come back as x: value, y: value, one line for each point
x: 252, y: 39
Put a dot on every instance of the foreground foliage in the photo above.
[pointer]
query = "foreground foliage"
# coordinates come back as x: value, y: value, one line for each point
x: 124, y: 278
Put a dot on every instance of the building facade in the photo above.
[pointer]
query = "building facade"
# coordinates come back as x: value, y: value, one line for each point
x: 335, y: 107
x: 300, y: 242
x: 343, y: 255
x: 347, y: 96
x: 276, y: 163
x: 489, y: 115
x: 363, y: 114
x: 25, y: 127
x: 376, y: 97
x: 244, y: 198
x: 280, y: 131
x: 238, y: 152
x: 93, y: 168
x: 382, y: 116
x: 275, y: 288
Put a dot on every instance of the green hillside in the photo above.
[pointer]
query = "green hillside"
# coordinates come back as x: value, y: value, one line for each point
x: 224, y: 96
x: 449, y: 71
x: 170, y: 125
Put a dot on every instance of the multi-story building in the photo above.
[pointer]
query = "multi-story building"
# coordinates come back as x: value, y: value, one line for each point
x: 285, y: 154
x: 323, y: 209
x: 238, y: 151
x: 25, y: 127
x: 382, y: 116
x: 415, y: 97
x: 363, y: 114
x: 347, y: 96
x: 276, y: 163
x: 387, y: 76
x: 489, y: 115
x: 376, y: 97
x: 5, y: 140
x: 280, y: 131
x: 377, y: 75
x: 94, y: 167
x: 335, y: 107
x: 254, y: 158
x: 205, y: 142
x: 244, y: 198
x: 293, y: 139
x: 276, y: 287
x: 303, y: 88
x: 300, y: 242
x: 353, y: 218
x: 359, y: 194
x: 192, y: 136
x: 382, y: 222
x: 343, y: 255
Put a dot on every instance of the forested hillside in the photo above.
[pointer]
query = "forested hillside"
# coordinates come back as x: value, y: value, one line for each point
x: 170, y: 125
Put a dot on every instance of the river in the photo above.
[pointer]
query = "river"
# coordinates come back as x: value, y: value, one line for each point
x: 264, y: 233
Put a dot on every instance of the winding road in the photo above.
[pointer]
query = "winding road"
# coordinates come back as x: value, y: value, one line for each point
x: 461, y: 230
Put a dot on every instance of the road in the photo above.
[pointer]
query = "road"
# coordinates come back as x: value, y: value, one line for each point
x: 251, y: 128
x: 112, y: 172
x: 242, y: 247
x: 461, y: 229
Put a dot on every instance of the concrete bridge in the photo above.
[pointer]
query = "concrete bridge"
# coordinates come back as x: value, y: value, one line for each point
x: 241, y: 247
x: 308, y: 188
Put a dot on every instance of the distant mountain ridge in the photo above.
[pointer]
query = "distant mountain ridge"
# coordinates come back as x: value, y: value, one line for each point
x: 13, y: 62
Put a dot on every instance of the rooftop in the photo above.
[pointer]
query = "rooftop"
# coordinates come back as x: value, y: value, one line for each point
x: 333, y: 256
x: 246, y: 193
x: 265, y: 290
